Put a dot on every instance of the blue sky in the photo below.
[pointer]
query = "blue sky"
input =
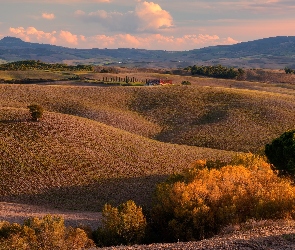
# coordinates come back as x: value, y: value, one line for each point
x: 159, y: 24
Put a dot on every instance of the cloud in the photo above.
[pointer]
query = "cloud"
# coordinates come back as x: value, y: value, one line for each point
x: 32, y: 34
x: 147, y: 17
x: 68, y: 37
x: 143, y: 41
x: 48, y: 16
x: 157, y: 41
x: 152, y: 17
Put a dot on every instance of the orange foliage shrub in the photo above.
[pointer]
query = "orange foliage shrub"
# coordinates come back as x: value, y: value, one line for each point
x: 199, y: 202
x: 45, y: 233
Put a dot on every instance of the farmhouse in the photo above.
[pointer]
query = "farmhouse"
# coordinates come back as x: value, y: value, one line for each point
x: 151, y: 82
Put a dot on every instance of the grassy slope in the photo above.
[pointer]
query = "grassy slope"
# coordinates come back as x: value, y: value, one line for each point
x: 214, y: 117
x: 71, y: 162
x: 223, y: 118
x: 64, y: 152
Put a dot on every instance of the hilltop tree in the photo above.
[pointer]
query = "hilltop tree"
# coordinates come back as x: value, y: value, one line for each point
x: 289, y: 71
x: 36, y: 111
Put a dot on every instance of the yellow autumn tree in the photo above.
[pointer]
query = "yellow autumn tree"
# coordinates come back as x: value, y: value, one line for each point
x: 121, y: 225
x: 45, y: 233
x: 202, y: 200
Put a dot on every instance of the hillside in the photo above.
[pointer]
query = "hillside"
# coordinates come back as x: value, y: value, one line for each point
x: 273, y: 52
x: 98, y: 144
x: 109, y: 144
x: 73, y: 162
x: 213, y: 117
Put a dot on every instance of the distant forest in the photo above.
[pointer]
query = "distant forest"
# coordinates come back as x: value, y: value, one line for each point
x: 38, y: 65
x: 217, y: 71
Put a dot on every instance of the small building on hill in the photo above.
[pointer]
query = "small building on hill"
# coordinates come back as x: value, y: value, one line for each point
x: 152, y: 82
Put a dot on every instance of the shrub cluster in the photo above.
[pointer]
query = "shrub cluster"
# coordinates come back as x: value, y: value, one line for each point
x: 289, y: 71
x: 45, y: 233
x: 36, y: 111
x: 125, y: 224
x: 185, y: 83
x: 202, y: 200
x: 192, y: 205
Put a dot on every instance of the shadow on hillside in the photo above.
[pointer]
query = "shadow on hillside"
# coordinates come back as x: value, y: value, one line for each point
x: 212, y: 116
x: 93, y: 197
x: 12, y: 121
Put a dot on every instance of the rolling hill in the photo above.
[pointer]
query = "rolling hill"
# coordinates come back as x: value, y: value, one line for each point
x: 273, y: 52
x: 72, y: 162
x: 193, y: 115
x: 110, y: 144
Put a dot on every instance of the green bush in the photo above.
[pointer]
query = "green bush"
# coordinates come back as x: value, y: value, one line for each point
x: 186, y: 83
x: 202, y: 200
x: 121, y: 225
x: 36, y: 111
x: 281, y: 153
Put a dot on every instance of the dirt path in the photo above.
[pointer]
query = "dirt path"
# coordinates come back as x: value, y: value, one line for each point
x: 15, y: 212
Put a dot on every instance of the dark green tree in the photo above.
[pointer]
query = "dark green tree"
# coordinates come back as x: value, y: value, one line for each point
x: 186, y: 83
x: 288, y: 70
x: 36, y: 111
x: 281, y: 153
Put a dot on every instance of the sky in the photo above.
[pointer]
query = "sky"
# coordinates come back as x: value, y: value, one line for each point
x: 160, y: 24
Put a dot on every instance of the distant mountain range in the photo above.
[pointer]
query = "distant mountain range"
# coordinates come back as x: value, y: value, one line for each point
x: 274, y: 52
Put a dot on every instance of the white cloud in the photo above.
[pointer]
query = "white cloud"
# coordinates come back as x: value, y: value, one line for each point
x: 48, y: 16
x: 157, y: 41
x: 68, y: 37
x: 152, y: 17
x: 147, y: 17
x: 32, y: 34
x: 146, y: 41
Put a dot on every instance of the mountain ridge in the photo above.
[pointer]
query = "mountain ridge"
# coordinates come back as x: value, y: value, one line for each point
x: 272, y: 52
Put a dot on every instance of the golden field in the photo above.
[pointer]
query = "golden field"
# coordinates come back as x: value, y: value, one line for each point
x: 110, y: 144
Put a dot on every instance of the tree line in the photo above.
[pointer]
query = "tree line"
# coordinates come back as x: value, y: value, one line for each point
x: 217, y: 71
x: 38, y: 65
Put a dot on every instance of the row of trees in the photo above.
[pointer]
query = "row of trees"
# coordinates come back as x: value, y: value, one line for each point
x: 217, y: 71
x: 38, y: 65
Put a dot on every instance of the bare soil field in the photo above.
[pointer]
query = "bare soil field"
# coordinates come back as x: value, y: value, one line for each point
x: 18, y: 213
